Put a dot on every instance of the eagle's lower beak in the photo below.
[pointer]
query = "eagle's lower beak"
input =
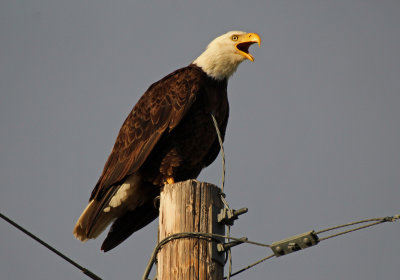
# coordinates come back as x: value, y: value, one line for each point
x: 245, y: 41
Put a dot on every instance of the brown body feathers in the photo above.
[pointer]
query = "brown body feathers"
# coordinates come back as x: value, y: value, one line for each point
x: 168, y: 134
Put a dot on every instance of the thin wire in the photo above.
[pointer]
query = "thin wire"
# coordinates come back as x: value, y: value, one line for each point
x: 239, y: 239
x: 222, y: 151
x: 81, y: 268
x: 376, y: 221
x: 229, y: 255
x: 222, y: 195
x: 351, y: 224
x: 350, y: 230
x: 251, y: 265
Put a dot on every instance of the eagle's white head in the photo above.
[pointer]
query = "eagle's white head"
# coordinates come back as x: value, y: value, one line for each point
x: 224, y: 54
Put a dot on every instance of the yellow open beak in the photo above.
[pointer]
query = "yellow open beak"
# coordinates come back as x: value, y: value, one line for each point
x: 245, y: 41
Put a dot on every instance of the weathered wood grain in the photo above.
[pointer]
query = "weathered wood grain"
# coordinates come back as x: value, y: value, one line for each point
x: 189, y: 206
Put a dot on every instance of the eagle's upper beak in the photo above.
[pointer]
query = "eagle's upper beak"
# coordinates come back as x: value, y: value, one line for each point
x: 245, y: 41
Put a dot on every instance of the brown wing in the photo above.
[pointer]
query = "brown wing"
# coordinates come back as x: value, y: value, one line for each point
x: 158, y: 111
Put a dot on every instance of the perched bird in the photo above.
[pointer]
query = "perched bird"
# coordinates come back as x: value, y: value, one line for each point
x: 169, y: 136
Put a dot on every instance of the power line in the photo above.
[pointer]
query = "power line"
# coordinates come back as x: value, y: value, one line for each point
x: 81, y: 268
x: 251, y: 265
x: 376, y: 221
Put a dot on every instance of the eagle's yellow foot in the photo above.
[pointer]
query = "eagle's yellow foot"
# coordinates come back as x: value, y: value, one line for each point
x: 170, y: 180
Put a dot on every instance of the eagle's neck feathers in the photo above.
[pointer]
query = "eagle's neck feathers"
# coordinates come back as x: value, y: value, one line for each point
x: 218, y: 64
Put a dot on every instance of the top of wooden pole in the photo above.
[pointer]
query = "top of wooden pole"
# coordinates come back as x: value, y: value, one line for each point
x: 190, y: 206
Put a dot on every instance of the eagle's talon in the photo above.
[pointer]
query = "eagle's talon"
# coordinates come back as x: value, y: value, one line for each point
x: 170, y: 181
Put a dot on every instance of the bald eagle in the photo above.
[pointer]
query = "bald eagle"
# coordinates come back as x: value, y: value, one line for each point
x: 168, y: 137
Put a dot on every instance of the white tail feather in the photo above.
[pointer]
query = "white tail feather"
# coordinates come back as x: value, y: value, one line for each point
x: 127, y: 197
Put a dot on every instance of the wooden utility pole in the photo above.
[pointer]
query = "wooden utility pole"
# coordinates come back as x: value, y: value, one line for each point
x: 190, y: 206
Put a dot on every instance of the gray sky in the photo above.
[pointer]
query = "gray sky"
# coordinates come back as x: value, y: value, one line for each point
x: 312, y: 141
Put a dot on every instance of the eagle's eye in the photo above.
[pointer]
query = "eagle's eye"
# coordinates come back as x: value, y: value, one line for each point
x: 235, y: 37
